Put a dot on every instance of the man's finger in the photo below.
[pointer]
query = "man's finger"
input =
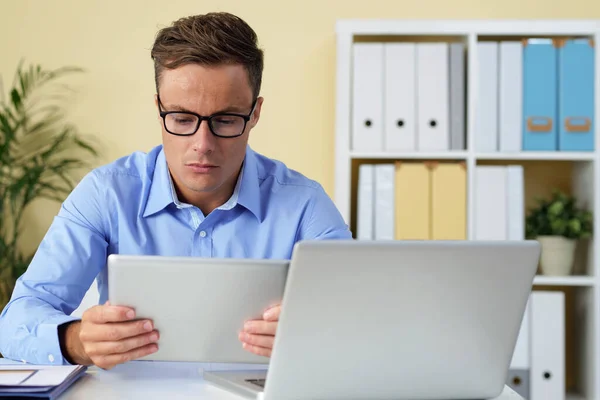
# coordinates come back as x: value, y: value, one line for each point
x: 102, y: 314
x: 257, y: 340
x: 115, y: 331
x: 272, y: 314
x: 261, y: 351
x: 122, y: 346
x: 261, y: 327
x: 109, y: 361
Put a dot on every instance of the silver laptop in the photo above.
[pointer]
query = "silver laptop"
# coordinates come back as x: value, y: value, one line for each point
x: 198, y: 305
x: 395, y: 320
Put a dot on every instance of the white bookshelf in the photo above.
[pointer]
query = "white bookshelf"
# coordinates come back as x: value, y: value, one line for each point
x: 585, y: 286
x: 583, y: 281
x: 537, y: 156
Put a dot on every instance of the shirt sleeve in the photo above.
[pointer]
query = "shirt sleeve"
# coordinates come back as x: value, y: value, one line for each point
x: 323, y: 220
x: 69, y: 258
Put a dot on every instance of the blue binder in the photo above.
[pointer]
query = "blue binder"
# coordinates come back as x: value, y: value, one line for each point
x: 576, y: 95
x: 540, y: 95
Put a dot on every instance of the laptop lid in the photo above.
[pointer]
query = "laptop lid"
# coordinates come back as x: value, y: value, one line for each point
x: 400, y: 319
x: 198, y: 305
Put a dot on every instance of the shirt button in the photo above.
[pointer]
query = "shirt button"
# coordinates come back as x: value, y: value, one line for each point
x: 51, y: 358
x: 202, y: 233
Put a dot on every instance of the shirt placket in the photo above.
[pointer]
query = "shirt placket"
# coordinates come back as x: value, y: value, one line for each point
x: 202, y: 240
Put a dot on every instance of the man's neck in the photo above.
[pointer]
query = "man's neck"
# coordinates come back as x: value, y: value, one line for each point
x: 208, y: 201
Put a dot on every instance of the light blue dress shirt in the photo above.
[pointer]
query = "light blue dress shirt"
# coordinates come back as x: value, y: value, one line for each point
x: 130, y: 207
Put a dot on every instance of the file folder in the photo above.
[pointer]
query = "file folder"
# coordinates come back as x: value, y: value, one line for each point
x: 490, y: 203
x: 367, y: 97
x: 540, y: 95
x: 519, y: 381
x: 432, y: 97
x: 38, y: 381
x: 400, y: 115
x: 519, y: 373
x: 486, y: 133
x: 515, y: 187
x: 576, y: 95
x: 384, y: 201
x: 449, y: 201
x: 457, y: 96
x: 365, y: 202
x: 511, y: 96
x: 547, y: 345
x: 413, y: 201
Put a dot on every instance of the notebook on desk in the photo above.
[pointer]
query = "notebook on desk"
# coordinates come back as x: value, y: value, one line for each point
x: 37, y: 381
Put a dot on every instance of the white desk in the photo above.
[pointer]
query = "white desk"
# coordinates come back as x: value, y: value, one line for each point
x: 160, y: 381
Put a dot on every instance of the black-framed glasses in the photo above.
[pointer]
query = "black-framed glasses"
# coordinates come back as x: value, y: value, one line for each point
x: 187, y: 123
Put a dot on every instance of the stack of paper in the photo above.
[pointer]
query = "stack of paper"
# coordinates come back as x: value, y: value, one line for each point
x: 39, y: 381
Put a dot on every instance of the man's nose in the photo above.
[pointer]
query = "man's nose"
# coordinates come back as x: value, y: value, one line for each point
x: 204, y: 140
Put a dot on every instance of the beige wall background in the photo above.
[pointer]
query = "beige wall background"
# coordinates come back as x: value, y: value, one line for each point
x: 111, y: 40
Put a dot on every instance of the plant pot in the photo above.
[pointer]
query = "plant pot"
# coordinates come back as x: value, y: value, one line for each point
x: 557, y: 255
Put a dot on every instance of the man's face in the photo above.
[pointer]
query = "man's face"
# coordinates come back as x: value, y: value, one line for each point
x: 204, y: 165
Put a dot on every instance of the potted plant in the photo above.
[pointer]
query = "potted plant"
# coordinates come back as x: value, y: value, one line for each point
x: 40, y: 157
x: 558, y: 223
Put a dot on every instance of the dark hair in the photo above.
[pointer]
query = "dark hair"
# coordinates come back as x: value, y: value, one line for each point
x: 209, y: 39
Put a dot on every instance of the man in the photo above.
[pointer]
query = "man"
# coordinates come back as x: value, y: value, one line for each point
x: 203, y: 192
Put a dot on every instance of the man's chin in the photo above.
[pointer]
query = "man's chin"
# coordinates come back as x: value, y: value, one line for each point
x: 202, y: 187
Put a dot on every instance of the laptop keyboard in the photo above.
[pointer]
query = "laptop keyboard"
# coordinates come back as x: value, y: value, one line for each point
x: 257, y: 382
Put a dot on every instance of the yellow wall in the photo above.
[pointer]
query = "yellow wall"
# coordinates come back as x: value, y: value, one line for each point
x: 111, y: 40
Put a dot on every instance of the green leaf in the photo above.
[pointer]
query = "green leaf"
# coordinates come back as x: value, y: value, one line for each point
x: 41, y: 155
x: 558, y: 216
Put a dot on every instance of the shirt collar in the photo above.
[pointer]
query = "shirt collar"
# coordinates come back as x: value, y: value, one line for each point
x: 246, y: 192
x: 160, y: 196
x: 249, y: 194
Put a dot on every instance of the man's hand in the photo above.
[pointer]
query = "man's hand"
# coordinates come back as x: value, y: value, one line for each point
x: 108, y: 335
x: 258, y: 335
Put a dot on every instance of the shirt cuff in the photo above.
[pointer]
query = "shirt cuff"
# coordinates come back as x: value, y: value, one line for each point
x: 47, y: 333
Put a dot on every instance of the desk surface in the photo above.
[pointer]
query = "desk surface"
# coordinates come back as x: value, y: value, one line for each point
x: 152, y: 380
x: 160, y: 380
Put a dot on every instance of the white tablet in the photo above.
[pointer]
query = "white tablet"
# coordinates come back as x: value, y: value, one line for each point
x: 198, y: 305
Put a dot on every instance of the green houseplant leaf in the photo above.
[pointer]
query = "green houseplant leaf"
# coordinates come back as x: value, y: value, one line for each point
x: 41, y: 156
x: 558, y: 215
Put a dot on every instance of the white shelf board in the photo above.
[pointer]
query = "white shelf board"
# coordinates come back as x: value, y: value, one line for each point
x: 541, y: 156
x: 512, y: 27
x: 564, y: 280
x: 416, y: 155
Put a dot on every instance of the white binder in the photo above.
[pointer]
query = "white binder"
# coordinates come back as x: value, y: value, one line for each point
x: 547, y: 346
x: 384, y: 201
x: 486, y: 110
x: 400, y: 114
x: 457, y: 96
x: 432, y: 97
x: 511, y: 96
x: 519, y: 372
x: 367, y: 97
x: 490, y: 203
x: 365, y: 202
x: 522, y: 356
x: 515, y: 186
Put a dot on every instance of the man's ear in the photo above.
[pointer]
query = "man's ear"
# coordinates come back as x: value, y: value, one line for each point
x: 256, y: 115
x: 157, y: 108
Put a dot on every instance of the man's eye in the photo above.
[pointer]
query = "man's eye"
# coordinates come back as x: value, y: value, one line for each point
x: 225, y: 120
x: 184, y: 120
